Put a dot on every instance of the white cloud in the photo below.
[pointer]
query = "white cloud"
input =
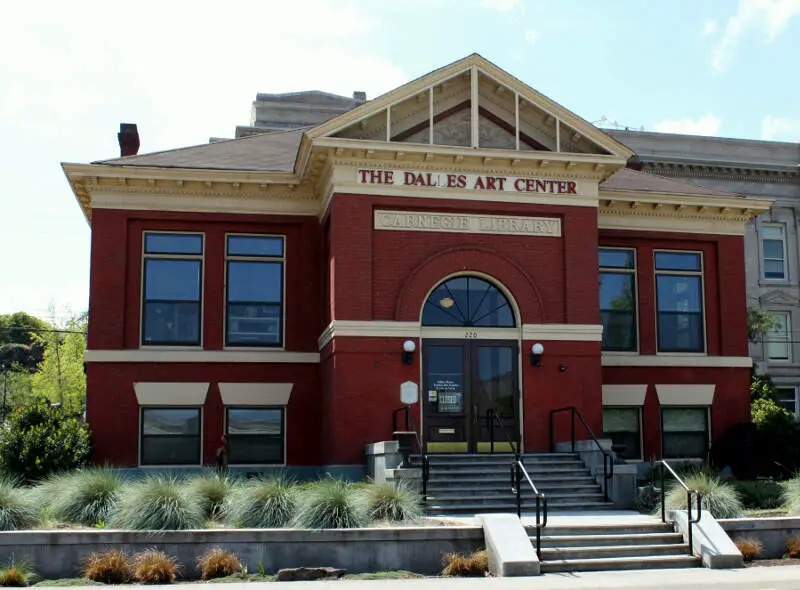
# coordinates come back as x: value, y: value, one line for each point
x: 780, y: 129
x: 502, y: 5
x: 770, y: 16
x: 531, y: 37
x: 708, y: 125
x: 710, y: 27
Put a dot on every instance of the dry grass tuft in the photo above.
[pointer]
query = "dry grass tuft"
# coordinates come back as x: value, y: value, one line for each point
x: 13, y: 577
x: 793, y: 547
x: 154, y: 567
x: 456, y: 564
x: 749, y: 548
x: 109, y: 567
x: 218, y: 563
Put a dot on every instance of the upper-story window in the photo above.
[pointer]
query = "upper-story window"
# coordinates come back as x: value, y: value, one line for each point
x: 777, y: 340
x: 618, y: 298
x: 254, y: 314
x: 773, y: 251
x: 172, y: 288
x: 679, y: 291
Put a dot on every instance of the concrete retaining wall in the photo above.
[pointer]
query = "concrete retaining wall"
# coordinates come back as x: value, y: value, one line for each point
x: 772, y: 532
x: 58, y: 554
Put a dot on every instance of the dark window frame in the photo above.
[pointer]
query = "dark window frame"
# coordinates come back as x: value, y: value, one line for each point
x: 200, y: 258
x: 706, y: 433
x: 256, y: 258
x: 784, y: 252
x: 231, y: 438
x: 700, y: 274
x: 199, y: 436
x: 633, y: 273
x: 459, y: 317
x: 640, y: 431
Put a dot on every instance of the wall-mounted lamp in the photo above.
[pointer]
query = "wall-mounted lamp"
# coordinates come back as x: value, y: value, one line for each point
x: 409, y: 346
x: 536, y: 355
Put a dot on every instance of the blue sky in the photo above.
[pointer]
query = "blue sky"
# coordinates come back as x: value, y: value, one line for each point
x: 187, y: 71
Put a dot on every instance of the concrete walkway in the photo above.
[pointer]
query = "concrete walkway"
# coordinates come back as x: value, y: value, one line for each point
x: 755, y: 578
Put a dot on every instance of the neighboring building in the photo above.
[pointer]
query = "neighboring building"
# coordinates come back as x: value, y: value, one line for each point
x: 760, y: 169
x: 462, y: 232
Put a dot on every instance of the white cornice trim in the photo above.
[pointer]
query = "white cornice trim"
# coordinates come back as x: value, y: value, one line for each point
x: 677, y: 360
x: 572, y: 332
x: 368, y: 329
x: 206, y: 204
x: 170, y: 394
x: 199, y: 356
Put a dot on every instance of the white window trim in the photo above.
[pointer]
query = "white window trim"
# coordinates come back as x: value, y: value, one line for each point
x: 767, y: 340
x: 796, y: 390
x: 762, y: 257
x: 703, y: 311
x: 635, y: 272
x: 180, y: 465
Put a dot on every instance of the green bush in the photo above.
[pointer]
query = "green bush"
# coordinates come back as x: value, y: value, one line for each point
x: 37, y: 440
x: 391, y: 502
x: 760, y: 494
x: 158, y: 503
x: 718, y: 498
x: 262, y: 503
x: 330, y: 504
x: 648, y: 499
x: 16, y: 509
x: 84, y: 497
x: 211, y: 489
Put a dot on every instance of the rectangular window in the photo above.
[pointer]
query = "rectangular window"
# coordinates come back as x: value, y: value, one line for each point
x: 679, y: 292
x: 255, y: 435
x: 623, y: 427
x: 778, y: 339
x: 255, y: 267
x: 618, y: 298
x: 773, y: 251
x: 684, y: 432
x: 787, y: 398
x: 170, y: 436
x: 172, y: 288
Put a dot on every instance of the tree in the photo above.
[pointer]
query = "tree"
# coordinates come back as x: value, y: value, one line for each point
x: 61, y: 378
x: 758, y: 324
x: 21, y: 328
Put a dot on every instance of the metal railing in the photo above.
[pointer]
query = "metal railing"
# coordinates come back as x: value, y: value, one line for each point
x: 608, y: 457
x: 517, y: 472
x: 689, y: 493
x: 491, y: 418
x: 410, y: 425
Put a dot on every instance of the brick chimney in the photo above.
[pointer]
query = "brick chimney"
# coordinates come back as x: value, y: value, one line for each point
x: 360, y: 96
x: 128, y: 137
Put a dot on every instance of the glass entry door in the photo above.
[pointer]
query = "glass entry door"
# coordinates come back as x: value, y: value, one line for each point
x: 466, y: 381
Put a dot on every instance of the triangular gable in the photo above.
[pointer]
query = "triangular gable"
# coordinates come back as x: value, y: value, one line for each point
x: 444, y: 98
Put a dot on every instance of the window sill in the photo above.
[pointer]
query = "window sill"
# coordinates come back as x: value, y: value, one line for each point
x: 179, y: 466
x: 168, y: 347
x: 255, y: 348
x: 256, y: 465
x: 699, y: 353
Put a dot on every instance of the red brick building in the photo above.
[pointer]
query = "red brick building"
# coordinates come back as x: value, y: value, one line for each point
x: 463, y: 233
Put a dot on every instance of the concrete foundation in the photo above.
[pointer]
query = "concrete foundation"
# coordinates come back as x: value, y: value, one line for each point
x: 771, y: 532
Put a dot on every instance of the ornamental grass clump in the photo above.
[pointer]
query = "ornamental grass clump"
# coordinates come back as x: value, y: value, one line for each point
x: 394, y: 503
x: 84, y: 497
x: 16, y: 510
x: 218, y: 563
x: 791, y: 494
x: 154, y: 567
x: 718, y: 498
x: 211, y: 489
x: 108, y: 567
x: 330, y: 504
x: 267, y: 503
x: 457, y: 564
x: 749, y: 548
x: 158, y: 503
x: 793, y: 547
x: 17, y: 574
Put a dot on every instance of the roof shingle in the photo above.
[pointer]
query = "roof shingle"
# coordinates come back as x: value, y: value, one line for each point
x: 643, y: 182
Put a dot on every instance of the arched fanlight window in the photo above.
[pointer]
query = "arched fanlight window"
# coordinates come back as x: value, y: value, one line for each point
x: 468, y: 301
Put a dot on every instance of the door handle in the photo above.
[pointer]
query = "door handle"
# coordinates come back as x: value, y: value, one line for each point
x: 475, y: 414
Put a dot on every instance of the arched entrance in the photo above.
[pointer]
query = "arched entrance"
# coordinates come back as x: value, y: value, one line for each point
x: 470, y: 360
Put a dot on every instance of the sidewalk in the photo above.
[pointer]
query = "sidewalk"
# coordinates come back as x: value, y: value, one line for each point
x: 756, y: 578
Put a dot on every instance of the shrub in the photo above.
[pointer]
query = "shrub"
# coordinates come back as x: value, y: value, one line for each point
x: 158, y: 503
x: 17, y: 574
x: 330, y: 504
x: 793, y: 547
x: 16, y: 510
x: 109, y: 567
x: 84, y: 497
x: 211, y: 489
x: 457, y: 564
x: 648, y: 499
x: 262, y: 503
x: 38, y: 440
x: 749, y: 548
x: 791, y: 494
x: 154, y: 567
x: 719, y: 498
x: 392, y: 502
x: 217, y: 563
x: 760, y: 494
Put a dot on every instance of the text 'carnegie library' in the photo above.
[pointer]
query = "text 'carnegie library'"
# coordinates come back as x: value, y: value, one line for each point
x: 479, y: 224
x: 467, y: 181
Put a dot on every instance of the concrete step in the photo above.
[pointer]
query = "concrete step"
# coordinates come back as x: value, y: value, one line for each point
x: 528, y: 507
x: 552, y: 499
x: 542, y: 480
x: 534, y: 472
x: 612, y: 551
x: 620, y: 563
x: 465, y: 457
x: 504, y: 484
x: 605, y: 529
x: 609, y: 540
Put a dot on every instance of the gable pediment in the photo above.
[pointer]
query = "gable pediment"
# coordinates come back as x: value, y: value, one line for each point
x: 778, y: 297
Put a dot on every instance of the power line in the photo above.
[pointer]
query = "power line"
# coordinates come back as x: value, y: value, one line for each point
x: 24, y: 329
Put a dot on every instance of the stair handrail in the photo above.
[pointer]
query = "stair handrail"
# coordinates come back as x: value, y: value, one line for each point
x: 411, y: 426
x: 689, y: 493
x: 517, y: 471
x: 608, y: 457
x: 491, y: 418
